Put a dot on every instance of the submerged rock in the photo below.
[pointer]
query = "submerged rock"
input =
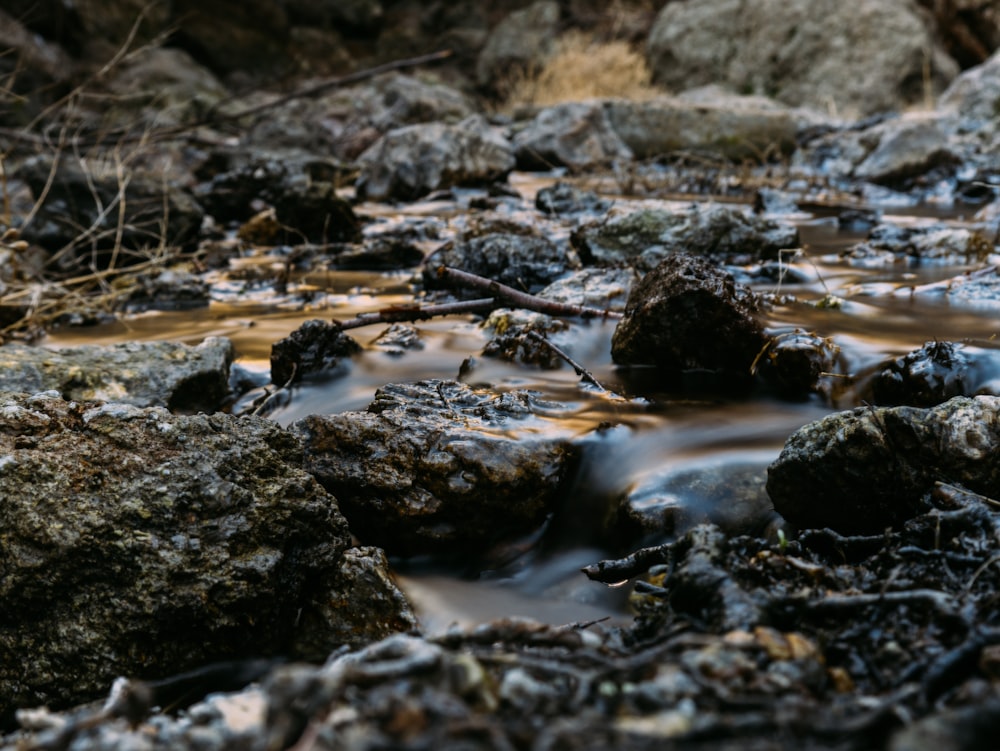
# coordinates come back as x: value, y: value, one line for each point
x: 686, y: 315
x: 138, y: 542
x: 314, y: 347
x: 145, y: 374
x: 438, y: 467
x: 861, y: 471
x: 645, y: 237
x: 796, y: 362
x: 412, y: 161
x: 524, y: 262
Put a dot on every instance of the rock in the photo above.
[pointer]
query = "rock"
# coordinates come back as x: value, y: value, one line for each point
x: 313, y: 212
x: 170, y: 289
x: 861, y: 471
x: 31, y: 65
x: 177, y: 376
x: 978, y: 290
x: 820, y: 54
x: 519, y: 42
x: 523, y: 262
x: 577, y: 135
x: 906, y: 148
x: 935, y: 243
x: 951, y: 729
x: 79, y: 208
x: 688, y: 315
x: 727, y: 126
x: 314, y: 347
x: 142, y: 543
x: 644, y: 237
x: 795, y: 363
x: 563, y: 198
x: 410, y: 162
x: 379, y: 254
x: 602, y: 288
x: 399, y: 339
x: 935, y: 373
x: 436, y: 467
x: 975, y: 94
x: 515, y: 339
x: 358, y: 15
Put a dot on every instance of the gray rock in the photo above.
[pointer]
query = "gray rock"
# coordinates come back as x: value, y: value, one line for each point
x: 80, y: 207
x: 731, y: 127
x: 563, y: 198
x: 520, y: 41
x: 975, y: 94
x: 906, y: 148
x: 142, y: 543
x: 145, y: 374
x: 861, y: 471
x: 824, y: 54
x: 524, y: 262
x: 578, y: 135
x: 412, y: 161
x: 643, y: 238
x: 686, y: 315
x: 602, y: 288
x: 437, y: 467
x: 936, y: 243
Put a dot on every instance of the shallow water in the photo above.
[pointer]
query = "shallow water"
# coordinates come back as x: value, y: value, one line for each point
x: 660, y: 434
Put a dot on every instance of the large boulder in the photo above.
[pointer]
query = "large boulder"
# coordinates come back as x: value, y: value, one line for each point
x: 519, y: 42
x: 410, y: 162
x: 851, y: 57
x: 861, y: 471
x: 438, y: 467
x: 178, y: 376
x: 975, y: 94
x: 142, y: 543
x: 578, y: 135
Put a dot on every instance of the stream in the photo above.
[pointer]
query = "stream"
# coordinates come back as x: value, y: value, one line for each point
x: 657, y: 435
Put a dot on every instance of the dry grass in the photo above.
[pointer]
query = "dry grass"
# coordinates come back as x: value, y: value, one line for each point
x: 581, y: 68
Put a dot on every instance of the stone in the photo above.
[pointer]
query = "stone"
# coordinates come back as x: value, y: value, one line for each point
x: 410, y: 162
x: 177, y: 376
x: 818, y: 53
x: 975, y: 94
x: 935, y: 373
x: 906, y: 148
x: 644, y: 237
x: 577, y: 135
x: 593, y: 287
x: 796, y: 362
x: 519, y: 42
x: 934, y: 243
x: 437, y: 467
x: 860, y: 471
x: 687, y: 315
x: 563, y: 198
x: 142, y: 543
x: 316, y: 346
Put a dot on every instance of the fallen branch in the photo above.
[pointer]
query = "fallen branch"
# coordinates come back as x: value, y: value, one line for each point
x: 406, y: 313
x: 520, y: 299
x: 580, y: 370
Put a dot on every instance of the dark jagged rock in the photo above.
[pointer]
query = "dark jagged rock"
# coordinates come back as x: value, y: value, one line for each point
x: 314, y: 347
x: 687, y: 315
x: 438, y: 467
x: 398, y: 339
x: 142, y: 543
x: 645, y: 237
x: 379, y: 254
x: 315, y: 213
x: 860, y: 471
x: 795, y: 363
x: 145, y: 374
x: 524, y: 262
x: 563, y: 198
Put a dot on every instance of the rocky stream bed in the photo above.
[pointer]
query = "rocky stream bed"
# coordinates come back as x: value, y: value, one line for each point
x: 353, y: 413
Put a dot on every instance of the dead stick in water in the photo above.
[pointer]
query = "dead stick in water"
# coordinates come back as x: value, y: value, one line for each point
x: 402, y: 313
x: 580, y: 370
x: 520, y: 299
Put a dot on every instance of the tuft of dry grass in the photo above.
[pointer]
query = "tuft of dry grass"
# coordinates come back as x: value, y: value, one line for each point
x: 579, y: 68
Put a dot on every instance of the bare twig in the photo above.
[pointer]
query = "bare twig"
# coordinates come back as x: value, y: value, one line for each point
x: 580, y: 370
x: 404, y: 313
x: 520, y: 299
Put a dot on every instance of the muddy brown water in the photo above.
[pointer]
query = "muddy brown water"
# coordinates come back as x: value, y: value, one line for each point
x: 663, y: 433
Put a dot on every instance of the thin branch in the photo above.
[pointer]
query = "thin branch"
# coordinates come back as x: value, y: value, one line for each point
x: 520, y: 299
x: 580, y: 370
x: 406, y: 313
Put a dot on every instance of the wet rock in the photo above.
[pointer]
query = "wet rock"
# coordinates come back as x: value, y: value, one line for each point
x: 727, y: 126
x: 976, y: 290
x: 145, y: 374
x: 731, y: 496
x: 906, y: 148
x: 379, y: 254
x: 519, y: 42
x: 438, y: 467
x: 80, y: 208
x: 688, y: 315
x: 975, y: 94
x: 524, y: 262
x: 935, y: 373
x: 517, y: 334
x: 563, y: 198
x: 316, y: 346
x: 644, y: 237
x: 398, y: 339
x: 410, y: 162
x: 170, y: 289
x: 795, y: 52
x: 313, y: 212
x: 142, y: 543
x: 891, y: 243
x: 795, y: 363
x: 860, y: 471
x: 577, y: 135
x: 601, y: 288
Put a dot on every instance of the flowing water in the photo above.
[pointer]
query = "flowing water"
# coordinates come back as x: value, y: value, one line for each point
x: 660, y: 434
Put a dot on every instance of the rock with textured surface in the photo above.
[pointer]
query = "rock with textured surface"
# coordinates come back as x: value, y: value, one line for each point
x: 410, y: 162
x: 142, y: 543
x: 519, y: 42
x: 577, y: 135
x: 145, y: 374
x: 861, y: 471
x: 438, y: 467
